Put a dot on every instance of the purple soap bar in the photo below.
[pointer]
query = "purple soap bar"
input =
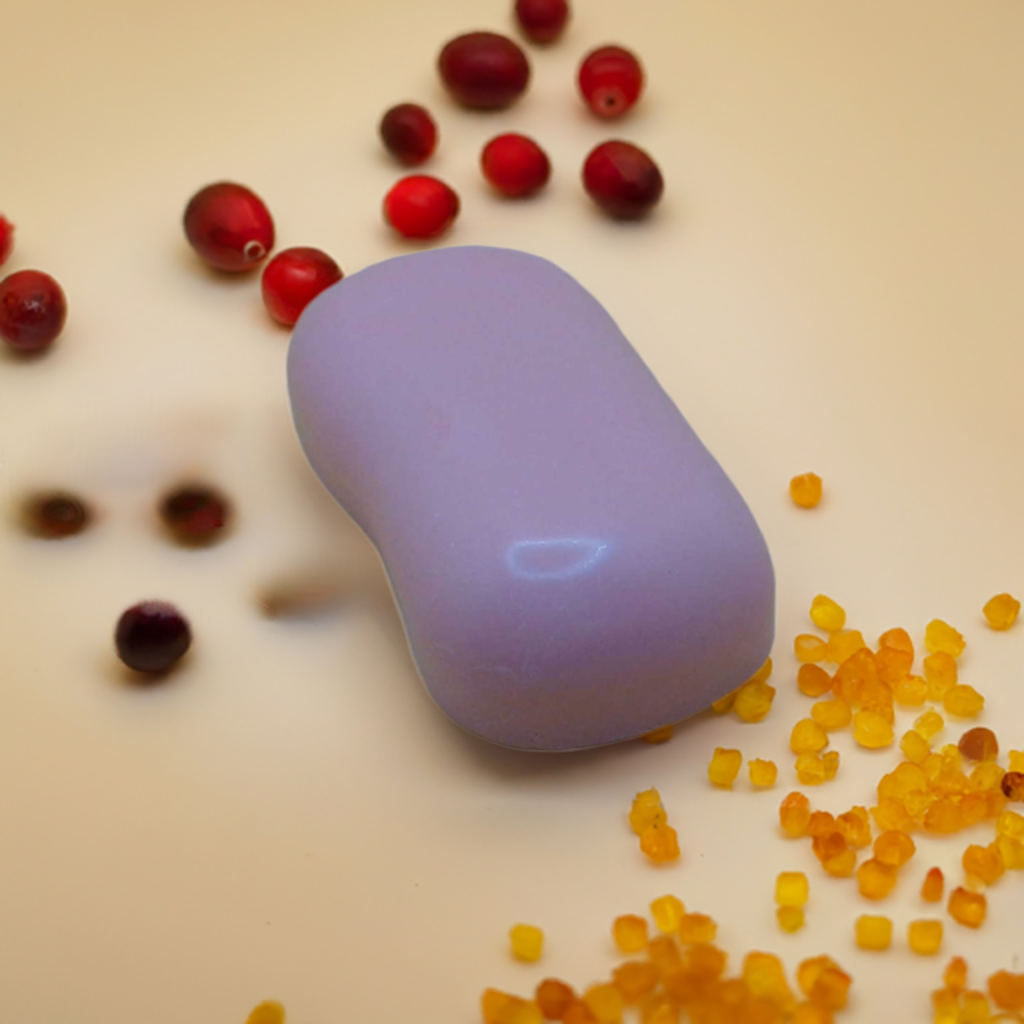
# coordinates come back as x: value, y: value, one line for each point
x: 572, y: 566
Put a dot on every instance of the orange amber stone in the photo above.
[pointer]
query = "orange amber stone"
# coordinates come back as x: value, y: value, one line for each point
x: 724, y: 767
x: 831, y: 988
x: 893, y: 665
x: 795, y: 814
x: 821, y: 823
x: 527, y: 941
x: 809, y: 648
x: 754, y: 700
x: 891, y: 812
x: 828, y: 846
x: 663, y: 951
x: 810, y: 769
x: 940, y: 636
x: 924, y: 936
x: 842, y: 864
x: 807, y: 737
x: 933, y: 885
x: 831, y: 714
x: 979, y: 744
x: 984, y: 863
x: 1001, y: 611
x: 871, y: 730
x: 577, y: 1012
x: 856, y: 663
x: 914, y: 746
x: 963, y: 701
x: 635, y: 979
x: 966, y: 907
x: 873, y: 931
x: 955, y: 974
x: 813, y: 680
x: 805, y: 490
x: 791, y: 919
x: 553, y: 997
x: 629, y: 931
x: 697, y: 928
x: 647, y: 810
x: 940, y: 672
x: 898, y: 639
x: 855, y: 826
x: 766, y: 978
x: 762, y: 773
x: 826, y: 614
x: 894, y: 848
x: 944, y: 816
x: 875, y: 880
x: 724, y: 704
x: 791, y: 888
x: 605, y: 1002
x: 1007, y: 990
x: 830, y: 760
x: 911, y: 692
x: 660, y: 843
x: 667, y: 912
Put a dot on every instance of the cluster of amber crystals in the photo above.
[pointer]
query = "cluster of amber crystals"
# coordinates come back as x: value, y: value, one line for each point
x: 956, y: 1003
x: 649, y: 820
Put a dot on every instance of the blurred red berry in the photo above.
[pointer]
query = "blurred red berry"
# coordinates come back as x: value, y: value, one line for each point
x: 622, y: 179
x: 515, y: 165
x: 484, y: 70
x: 542, y: 21
x: 294, y: 278
x: 6, y: 239
x: 229, y: 226
x: 409, y: 133
x: 33, y: 310
x: 610, y: 80
x: 420, y: 206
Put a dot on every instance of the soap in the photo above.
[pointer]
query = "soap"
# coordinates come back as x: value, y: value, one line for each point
x: 572, y: 566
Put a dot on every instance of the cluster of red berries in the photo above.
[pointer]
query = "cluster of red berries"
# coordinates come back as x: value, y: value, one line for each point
x: 33, y: 308
x: 488, y: 71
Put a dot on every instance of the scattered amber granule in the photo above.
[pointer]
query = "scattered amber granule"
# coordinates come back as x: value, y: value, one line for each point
x: 855, y: 825
x: 795, y: 814
x: 821, y: 823
x: 1013, y: 785
x: 984, y: 863
x: 660, y: 843
x: 553, y: 996
x: 577, y: 1012
x: 892, y: 813
x: 974, y: 1008
x: 940, y: 673
x: 969, y: 908
x: 724, y: 704
x: 955, y: 974
x: 1007, y: 990
x: 929, y: 725
x: 944, y: 817
x: 754, y: 700
x: 635, y: 979
x: 893, y: 665
x: 697, y: 928
x: 1012, y: 852
x: 830, y: 761
x: 933, y: 885
x: 805, y: 490
x: 724, y: 767
x: 924, y: 936
x: 843, y: 644
x: 832, y: 714
x: 826, y: 614
x: 827, y: 846
x: 791, y: 889
x: 914, y: 746
x: 527, y: 941
x: 1010, y: 824
x: 807, y: 737
x: 810, y: 770
x: 876, y: 880
x: 268, y: 1012
x: 813, y: 680
x: 831, y: 988
x: 985, y: 777
x: 894, y: 848
x: 498, y: 1007
x: 657, y: 1009
x: 911, y: 692
x: 605, y: 1002
x: 665, y: 953
x: 791, y: 919
x: 1001, y: 611
x: 940, y: 636
x: 871, y: 730
x: 873, y: 931
x: 629, y: 932
x: 809, y: 648
x: 762, y: 773
x: 667, y: 912
x: 766, y: 979
x: 662, y: 735
x: 856, y: 675
x: 963, y: 701
x: 842, y: 864
x: 647, y: 810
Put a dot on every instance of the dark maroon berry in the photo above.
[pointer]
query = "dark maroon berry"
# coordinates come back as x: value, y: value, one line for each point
x: 151, y: 636
x: 622, y: 179
x: 542, y: 21
x: 484, y: 70
x: 55, y: 515
x: 420, y: 206
x: 610, y: 80
x: 229, y: 226
x: 409, y: 133
x: 195, y: 515
x: 293, y: 279
x: 515, y: 165
x: 6, y: 239
x: 32, y: 310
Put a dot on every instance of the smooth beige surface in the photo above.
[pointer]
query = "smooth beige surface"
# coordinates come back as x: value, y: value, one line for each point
x: 833, y: 282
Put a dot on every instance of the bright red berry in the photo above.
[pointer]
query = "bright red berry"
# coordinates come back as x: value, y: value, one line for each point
x: 195, y: 514
x: 420, y: 206
x: 55, y: 515
x: 6, y: 239
x: 294, y: 278
x: 515, y: 165
x: 622, y: 179
x: 542, y: 21
x: 229, y: 226
x: 610, y: 80
x: 32, y: 310
x: 409, y: 133
x: 151, y: 636
x: 484, y: 70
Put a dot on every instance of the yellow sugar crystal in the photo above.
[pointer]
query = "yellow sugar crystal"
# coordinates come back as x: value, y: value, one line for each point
x: 810, y: 769
x: 724, y: 767
x: 1011, y: 851
x: 791, y: 919
x: 527, y: 942
x: 826, y: 614
x: 754, y: 700
x: 724, y: 704
x: 843, y: 643
x: 667, y: 912
x: 925, y: 936
x: 647, y: 810
x: 1001, y: 611
x: 806, y: 736
x: 830, y: 762
x: 762, y: 773
x: 662, y: 735
x: 873, y: 931
x: 694, y: 928
x: 911, y: 692
x: 629, y: 932
x: 791, y: 889
x: 872, y: 730
x: 832, y: 714
x: 963, y: 701
x: 1010, y: 824
x: 929, y: 724
x: 809, y: 648
x: 914, y: 746
x: 813, y: 681
x: 940, y: 636
x: 660, y: 843
x: 805, y: 490
x: 605, y: 1002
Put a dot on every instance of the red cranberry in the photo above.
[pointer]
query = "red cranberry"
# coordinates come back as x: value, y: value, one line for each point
x: 409, y: 133
x: 420, y: 206
x: 229, y: 226
x: 6, y: 239
x: 484, y: 70
x: 195, y: 515
x: 151, y: 636
x: 515, y: 165
x: 542, y: 21
x: 622, y: 179
x: 32, y: 310
x: 294, y: 278
x: 610, y: 80
x: 55, y: 515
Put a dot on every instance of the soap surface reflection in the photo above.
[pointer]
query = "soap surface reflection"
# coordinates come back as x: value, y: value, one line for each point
x: 572, y: 566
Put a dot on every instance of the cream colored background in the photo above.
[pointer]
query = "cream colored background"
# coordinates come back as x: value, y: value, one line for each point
x: 833, y: 282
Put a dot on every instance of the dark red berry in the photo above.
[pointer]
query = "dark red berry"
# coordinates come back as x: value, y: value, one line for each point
x: 55, y: 515
x: 151, y: 636
x: 195, y: 515
x: 610, y: 80
x: 484, y: 70
x: 622, y: 179
x: 515, y: 165
x: 409, y: 133
x: 420, y: 206
x: 229, y: 226
x: 6, y: 239
x: 294, y: 278
x: 542, y: 21
x: 32, y: 310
